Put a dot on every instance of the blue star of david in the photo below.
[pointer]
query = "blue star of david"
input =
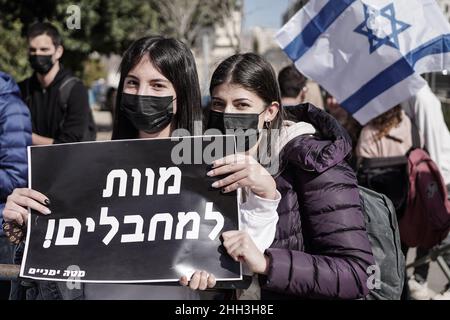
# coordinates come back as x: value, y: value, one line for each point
x: 397, y: 27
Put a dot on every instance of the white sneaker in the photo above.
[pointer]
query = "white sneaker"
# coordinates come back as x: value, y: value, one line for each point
x: 443, y: 296
x: 420, y: 291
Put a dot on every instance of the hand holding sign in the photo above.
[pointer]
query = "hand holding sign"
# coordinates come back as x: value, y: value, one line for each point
x: 200, y: 280
x: 124, y: 212
x: 244, y: 171
x: 241, y: 247
x: 17, y: 203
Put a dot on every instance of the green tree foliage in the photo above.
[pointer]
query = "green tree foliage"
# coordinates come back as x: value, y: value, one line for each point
x: 13, y: 58
x: 107, y: 26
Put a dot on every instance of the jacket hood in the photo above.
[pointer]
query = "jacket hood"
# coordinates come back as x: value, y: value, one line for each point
x: 329, y: 146
x: 8, y: 85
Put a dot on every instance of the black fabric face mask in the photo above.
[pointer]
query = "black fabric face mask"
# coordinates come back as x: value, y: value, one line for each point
x: 147, y: 113
x: 243, y: 125
x: 41, y: 63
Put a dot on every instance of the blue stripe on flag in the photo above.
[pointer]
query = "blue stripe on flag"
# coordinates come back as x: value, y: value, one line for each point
x: 305, y: 39
x: 434, y: 46
x: 395, y: 73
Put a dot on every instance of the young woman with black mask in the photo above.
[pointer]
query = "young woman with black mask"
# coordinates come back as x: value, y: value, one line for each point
x: 321, y: 248
x: 159, y: 93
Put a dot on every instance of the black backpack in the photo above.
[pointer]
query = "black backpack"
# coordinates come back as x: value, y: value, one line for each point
x: 389, y: 175
x: 64, y: 93
x: 387, y: 278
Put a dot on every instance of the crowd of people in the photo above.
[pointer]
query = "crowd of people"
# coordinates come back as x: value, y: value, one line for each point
x: 303, y: 232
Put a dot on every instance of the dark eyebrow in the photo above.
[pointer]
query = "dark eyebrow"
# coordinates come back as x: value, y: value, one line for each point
x: 242, y: 100
x: 132, y: 76
x: 160, y: 80
x: 216, y: 98
x: 36, y: 48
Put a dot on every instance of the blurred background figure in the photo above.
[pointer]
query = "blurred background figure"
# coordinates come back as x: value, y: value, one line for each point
x: 314, y: 94
x: 292, y: 86
x: 296, y: 89
x: 110, y: 100
x: 426, y: 112
x: 98, y: 89
x: 58, y: 101
x: 390, y: 136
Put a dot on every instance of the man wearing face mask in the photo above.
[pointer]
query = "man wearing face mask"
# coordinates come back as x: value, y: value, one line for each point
x: 58, y: 101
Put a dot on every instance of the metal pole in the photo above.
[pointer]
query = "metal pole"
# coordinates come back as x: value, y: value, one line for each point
x: 435, y: 254
x: 444, y: 267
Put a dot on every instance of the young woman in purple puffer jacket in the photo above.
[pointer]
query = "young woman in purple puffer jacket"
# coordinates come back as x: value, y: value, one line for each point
x: 321, y: 249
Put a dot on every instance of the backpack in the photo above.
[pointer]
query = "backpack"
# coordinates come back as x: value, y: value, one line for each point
x: 388, y: 176
x: 415, y: 186
x: 64, y: 93
x: 426, y: 221
x: 387, y: 278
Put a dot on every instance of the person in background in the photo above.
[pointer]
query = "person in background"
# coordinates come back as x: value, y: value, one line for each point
x: 296, y: 89
x: 390, y: 135
x: 15, y: 137
x: 110, y: 100
x: 425, y: 110
x: 54, y: 120
x: 314, y: 94
x: 292, y: 86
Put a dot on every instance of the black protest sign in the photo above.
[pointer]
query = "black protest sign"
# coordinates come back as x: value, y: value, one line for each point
x: 130, y: 211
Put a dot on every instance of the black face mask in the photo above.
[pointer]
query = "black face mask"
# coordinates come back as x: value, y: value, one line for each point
x: 41, y: 63
x: 148, y: 113
x: 243, y: 125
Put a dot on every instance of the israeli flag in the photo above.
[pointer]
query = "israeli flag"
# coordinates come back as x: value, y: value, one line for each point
x: 368, y: 54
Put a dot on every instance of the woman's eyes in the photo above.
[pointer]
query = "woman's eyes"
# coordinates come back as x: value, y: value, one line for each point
x: 132, y: 83
x: 242, y: 105
x: 159, y: 86
x: 218, y: 105
x: 155, y: 85
x: 239, y: 106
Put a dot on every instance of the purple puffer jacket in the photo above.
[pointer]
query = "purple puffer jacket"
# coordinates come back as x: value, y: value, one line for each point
x: 321, y: 249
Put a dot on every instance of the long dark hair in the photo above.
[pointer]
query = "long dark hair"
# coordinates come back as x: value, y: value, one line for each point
x: 175, y: 61
x: 253, y: 73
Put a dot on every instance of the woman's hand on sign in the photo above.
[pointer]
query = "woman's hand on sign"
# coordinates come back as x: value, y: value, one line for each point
x: 21, y: 199
x: 243, y: 171
x: 200, y: 280
x: 241, y: 247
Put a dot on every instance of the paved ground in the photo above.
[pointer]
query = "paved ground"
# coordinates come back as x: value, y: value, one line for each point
x: 103, y: 119
x: 436, y: 279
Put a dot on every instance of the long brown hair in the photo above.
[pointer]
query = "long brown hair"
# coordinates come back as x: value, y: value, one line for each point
x: 385, y: 122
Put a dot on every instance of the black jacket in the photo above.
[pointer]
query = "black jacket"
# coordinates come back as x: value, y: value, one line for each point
x: 48, y: 118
